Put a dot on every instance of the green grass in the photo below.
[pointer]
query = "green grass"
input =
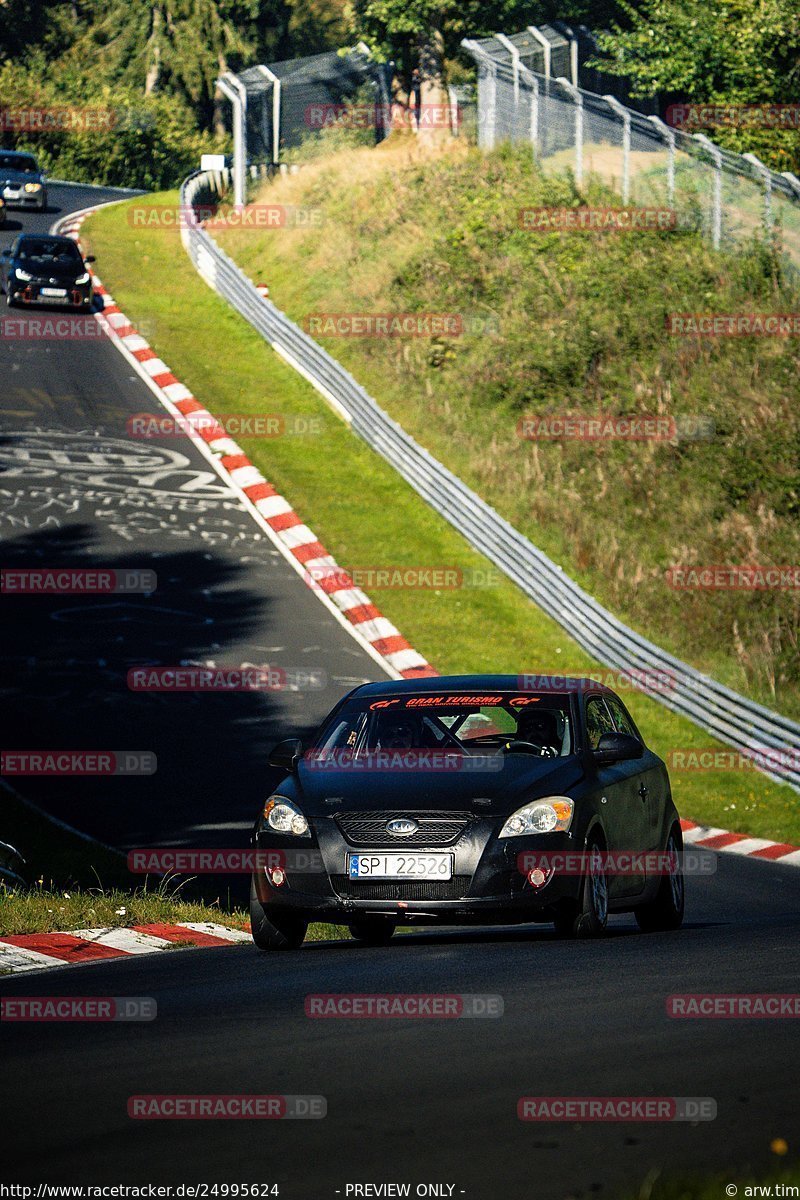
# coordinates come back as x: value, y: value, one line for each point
x: 713, y: 1187
x: 580, y: 328
x: 366, y: 515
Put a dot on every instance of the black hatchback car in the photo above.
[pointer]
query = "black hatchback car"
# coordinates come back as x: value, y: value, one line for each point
x: 22, y: 184
x: 468, y: 799
x: 45, y: 269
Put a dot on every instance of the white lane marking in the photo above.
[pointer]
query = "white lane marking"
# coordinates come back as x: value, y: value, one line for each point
x: 127, y: 940
x: 220, y: 931
x: 18, y: 958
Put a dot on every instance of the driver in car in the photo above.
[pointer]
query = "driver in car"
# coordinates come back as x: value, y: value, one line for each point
x: 540, y: 729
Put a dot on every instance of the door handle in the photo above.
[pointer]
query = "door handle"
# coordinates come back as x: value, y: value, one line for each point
x: 643, y: 791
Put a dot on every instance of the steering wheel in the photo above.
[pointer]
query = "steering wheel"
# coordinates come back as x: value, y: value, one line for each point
x: 517, y: 746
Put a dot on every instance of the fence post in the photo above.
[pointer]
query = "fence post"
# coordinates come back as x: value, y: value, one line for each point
x: 487, y: 105
x: 543, y: 42
x: 577, y: 99
x: 533, y: 83
x: 624, y: 113
x: 669, y: 137
x: 716, y: 216
x: 234, y: 89
x: 276, y: 111
x: 508, y: 45
x: 766, y: 176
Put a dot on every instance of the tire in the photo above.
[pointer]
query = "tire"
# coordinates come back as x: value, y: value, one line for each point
x: 666, y: 911
x: 273, y: 931
x: 373, y: 931
x: 588, y: 916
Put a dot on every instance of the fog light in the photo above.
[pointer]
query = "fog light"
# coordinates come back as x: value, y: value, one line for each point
x: 536, y: 877
x: 276, y: 876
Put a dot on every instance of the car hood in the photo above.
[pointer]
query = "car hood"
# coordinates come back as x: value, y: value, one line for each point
x: 7, y: 175
x: 63, y: 272
x: 327, y: 790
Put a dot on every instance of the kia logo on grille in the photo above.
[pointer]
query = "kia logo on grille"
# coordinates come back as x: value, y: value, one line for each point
x: 402, y: 827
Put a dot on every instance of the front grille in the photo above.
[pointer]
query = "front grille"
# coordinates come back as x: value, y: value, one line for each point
x: 435, y: 828
x: 419, y: 889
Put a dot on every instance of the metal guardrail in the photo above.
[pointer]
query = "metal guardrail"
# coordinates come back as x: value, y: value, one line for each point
x: 771, y: 740
x: 11, y: 864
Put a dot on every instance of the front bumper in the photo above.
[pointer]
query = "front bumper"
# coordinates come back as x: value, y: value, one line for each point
x: 22, y: 199
x: 78, y: 296
x: 487, y: 883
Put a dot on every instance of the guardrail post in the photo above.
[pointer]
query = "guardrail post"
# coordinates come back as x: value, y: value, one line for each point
x: 577, y: 99
x: 669, y: 137
x: 620, y: 111
x: 716, y: 216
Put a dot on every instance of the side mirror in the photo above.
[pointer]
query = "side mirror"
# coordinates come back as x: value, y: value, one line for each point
x: 286, y: 754
x: 90, y: 258
x: 617, y: 747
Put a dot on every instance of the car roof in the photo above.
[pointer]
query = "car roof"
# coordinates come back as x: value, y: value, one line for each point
x: 540, y: 681
x: 20, y: 153
x: 46, y: 237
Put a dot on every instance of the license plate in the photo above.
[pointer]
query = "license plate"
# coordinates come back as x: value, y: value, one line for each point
x: 400, y: 866
x: 52, y: 291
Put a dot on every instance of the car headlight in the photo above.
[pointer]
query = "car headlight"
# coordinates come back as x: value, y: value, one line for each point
x: 33, y: 187
x: 84, y: 278
x: 23, y: 275
x: 284, y: 817
x: 554, y: 814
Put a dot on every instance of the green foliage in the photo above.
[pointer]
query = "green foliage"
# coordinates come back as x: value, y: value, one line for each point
x: 146, y: 142
x: 718, y: 52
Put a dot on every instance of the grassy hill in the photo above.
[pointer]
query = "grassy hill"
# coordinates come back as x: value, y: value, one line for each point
x: 569, y: 323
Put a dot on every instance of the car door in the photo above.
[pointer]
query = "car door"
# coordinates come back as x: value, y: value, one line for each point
x: 652, y: 783
x: 623, y: 811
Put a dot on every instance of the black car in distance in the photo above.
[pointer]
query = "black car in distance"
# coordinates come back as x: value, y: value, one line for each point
x: 43, y: 269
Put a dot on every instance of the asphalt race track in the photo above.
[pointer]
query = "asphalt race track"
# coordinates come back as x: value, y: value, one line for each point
x: 419, y: 1102
x: 76, y: 490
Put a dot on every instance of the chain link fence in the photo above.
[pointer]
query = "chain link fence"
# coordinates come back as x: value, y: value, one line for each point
x: 729, y: 197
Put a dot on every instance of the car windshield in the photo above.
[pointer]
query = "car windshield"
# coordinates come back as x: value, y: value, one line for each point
x: 462, y: 722
x: 49, y: 250
x: 9, y: 162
